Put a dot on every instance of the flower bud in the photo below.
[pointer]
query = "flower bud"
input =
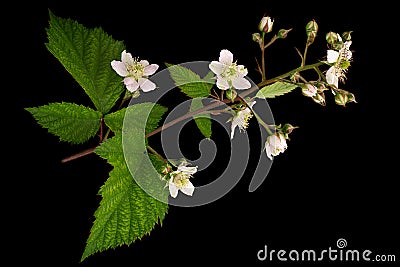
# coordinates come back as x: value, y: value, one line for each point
x: 332, y: 37
x: 231, y: 94
x: 311, y: 30
x: 287, y: 129
x: 166, y: 169
x: 265, y: 24
x: 282, y: 33
x: 308, y: 90
x: 319, y: 98
x: 347, y: 36
x: 256, y: 37
x: 343, y: 97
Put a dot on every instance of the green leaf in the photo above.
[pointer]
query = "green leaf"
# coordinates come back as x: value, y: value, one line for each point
x: 115, y: 120
x: 154, y: 117
x: 87, y: 54
x: 203, y: 121
x: 275, y: 89
x: 127, y: 212
x: 189, y: 82
x: 70, y: 122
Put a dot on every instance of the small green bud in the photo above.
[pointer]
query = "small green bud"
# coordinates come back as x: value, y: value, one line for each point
x: 332, y: 38
x: 343, y: 97
x: 231, y: 94
x: 266, y: 24
x: 319, y: 98
x: 256, y: 37
x: 347, y: 36
x: 312, y: 26
x: 166, y: 169
x: 287, y: 129
x: 311, y: 30
x: 282, y: 33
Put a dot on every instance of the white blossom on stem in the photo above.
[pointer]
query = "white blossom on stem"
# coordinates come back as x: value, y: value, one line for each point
x: 229, y: 74
x: 275, y: 144
x: 241, y: 119
x: 135, y: 72
x: 180, y: 180
x: 340, y: 61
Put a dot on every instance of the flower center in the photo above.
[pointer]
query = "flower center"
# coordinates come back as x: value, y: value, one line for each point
x: 246, y: 118
x: 136, y: 70
x: 231, y: 71
x: 181, y: 180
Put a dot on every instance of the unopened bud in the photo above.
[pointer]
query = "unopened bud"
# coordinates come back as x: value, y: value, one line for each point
x: 319, y: 98
x: 265, y: 24
x: 332, y: 37
x: 231, y: 94
x: 287, y: 129
x: 343, y: 97
x: 256, y: 37
x: 282, y: 33
x: 347, y: 36
x: 166, y: 169
x: 311, y: 30
x: 308, y: 90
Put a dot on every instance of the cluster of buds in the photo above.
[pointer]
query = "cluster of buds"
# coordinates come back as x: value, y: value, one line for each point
x: 265, y: 26
x: 314, y: 90
x: 336, y: 41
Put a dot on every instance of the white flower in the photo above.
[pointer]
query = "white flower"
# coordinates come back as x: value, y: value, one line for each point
x: 135, y: 72
x: 180, y: 180
x: 241, y: 119
x: 275, y: 144
x: 341, y: 61
x: 229, y: 74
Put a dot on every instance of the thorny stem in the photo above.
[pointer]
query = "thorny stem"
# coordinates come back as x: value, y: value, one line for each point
x: 209, y: 107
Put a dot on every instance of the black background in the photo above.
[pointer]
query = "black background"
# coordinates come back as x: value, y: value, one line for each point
x: 337, y: 178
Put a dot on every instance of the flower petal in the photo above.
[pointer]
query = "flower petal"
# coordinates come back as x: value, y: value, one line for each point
x: 233, y: 127
x: 146, y: 85
x: 222, y: 83
x: 150, y: 69
x: 242, y: 70
x: 332, y: 56
x: 144, y: 63
x: 131, y: 84
x: 217, y: 67
x: 251, y: 104
x: 188, y: 190
x: 173, y: 190
x: 331, y: 77
x: 268, y: 149
x: 188, y: 170
x: 241, y: 83
x: 126, y: 58
x: 119, y: 67
x: 226, y: 57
